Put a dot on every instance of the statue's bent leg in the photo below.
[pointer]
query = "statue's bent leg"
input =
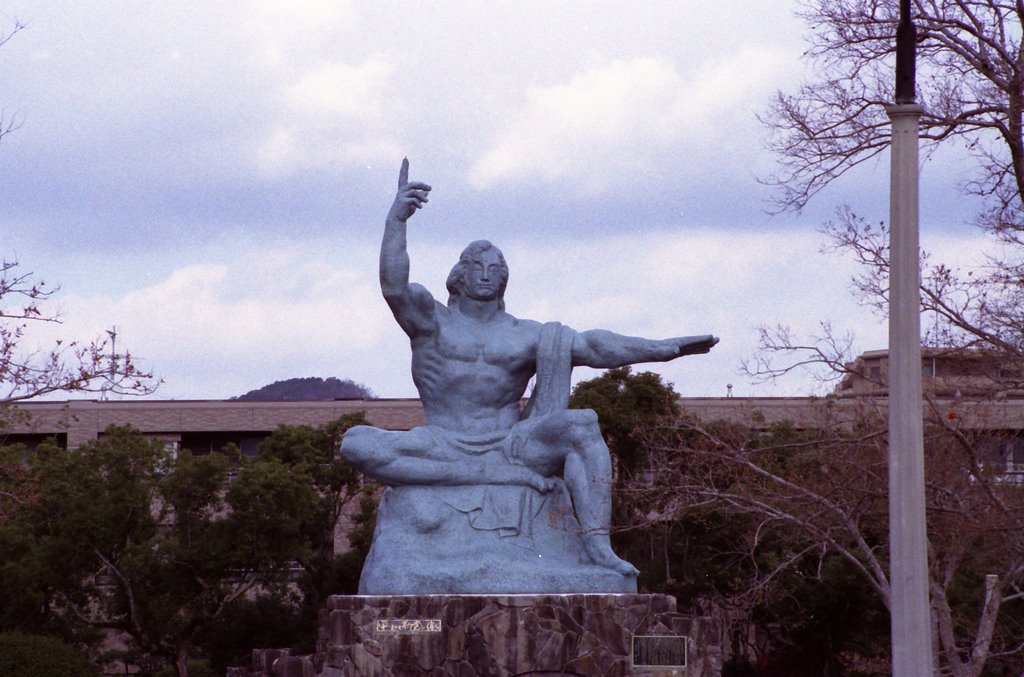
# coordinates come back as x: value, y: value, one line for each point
x: 416, y: 457
x: 371, y: 450
x: 573, y: 437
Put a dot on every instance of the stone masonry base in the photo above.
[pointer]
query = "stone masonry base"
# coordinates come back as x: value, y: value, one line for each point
x: 505, y: 635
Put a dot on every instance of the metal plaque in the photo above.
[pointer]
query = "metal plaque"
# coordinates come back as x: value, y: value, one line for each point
x: 399, y: 626
x: 662, y: 651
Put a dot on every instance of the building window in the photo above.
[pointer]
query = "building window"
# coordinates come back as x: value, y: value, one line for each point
x: 172, y: 448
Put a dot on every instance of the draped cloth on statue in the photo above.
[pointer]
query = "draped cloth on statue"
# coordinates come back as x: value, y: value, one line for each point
x: 554, y: 371
x: 489, y: 538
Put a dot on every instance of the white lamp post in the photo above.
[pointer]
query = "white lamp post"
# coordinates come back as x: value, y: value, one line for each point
x: 908, y: 550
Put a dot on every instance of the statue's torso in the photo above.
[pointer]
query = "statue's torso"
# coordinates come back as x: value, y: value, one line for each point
x: 471, y: 375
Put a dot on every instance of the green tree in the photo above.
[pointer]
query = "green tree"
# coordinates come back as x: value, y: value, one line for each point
x: 264, y: 621
x: 626, y: 404
x: 681, y: 554
x: 310, y: 388
x: 311, y: 454
x: 145, y: 544
x: 345, y: 507
x: 120, y: 535
x: 37, y: 656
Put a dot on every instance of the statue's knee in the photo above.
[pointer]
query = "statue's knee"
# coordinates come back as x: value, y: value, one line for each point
x: 584, y: 427
x: 584, y: 417
x: 358, y: 445
x: 582, y: 421
x: 572, y: 418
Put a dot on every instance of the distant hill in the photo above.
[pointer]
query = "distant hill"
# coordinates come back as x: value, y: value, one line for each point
x: 310, y: 388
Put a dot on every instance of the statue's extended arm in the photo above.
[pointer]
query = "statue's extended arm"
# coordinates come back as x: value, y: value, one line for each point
x: 603, y: 349
x: 411, y: 304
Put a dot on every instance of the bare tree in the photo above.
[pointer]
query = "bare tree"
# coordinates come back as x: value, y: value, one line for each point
x: 69, y: 366
x: 824, y: 489
x: 9, y: 124
x: 976, y: 544
x: 979, y: 310
x: 971, y: 85
x: 970, y: 81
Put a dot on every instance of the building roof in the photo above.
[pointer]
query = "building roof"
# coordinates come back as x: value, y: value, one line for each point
x: 79, y: 421
x: 83, y: 420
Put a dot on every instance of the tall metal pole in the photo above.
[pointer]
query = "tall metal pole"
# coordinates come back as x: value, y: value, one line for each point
x: 908, y: 569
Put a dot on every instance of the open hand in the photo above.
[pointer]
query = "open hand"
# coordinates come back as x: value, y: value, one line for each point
x: 694, y: 345
x: 410, y: 197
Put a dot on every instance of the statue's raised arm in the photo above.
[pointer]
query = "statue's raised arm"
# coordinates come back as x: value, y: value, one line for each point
x: 412, y: 304
x: 603, y: 349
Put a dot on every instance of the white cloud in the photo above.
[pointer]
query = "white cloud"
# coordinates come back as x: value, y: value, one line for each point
x: 674, y: 283
x: 625, y: 117
x: 333, y: 115
x: 295, y: 29
x: 332, y: 89
x: 219, y: 330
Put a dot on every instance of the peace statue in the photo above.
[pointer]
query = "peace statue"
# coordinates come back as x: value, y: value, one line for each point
x: 490, y: 496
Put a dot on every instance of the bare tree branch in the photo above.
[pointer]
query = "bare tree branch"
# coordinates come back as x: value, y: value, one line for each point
x: 823, y: 488
x: 9, y: 124
x: 69, y: 366
x: 971, y: 84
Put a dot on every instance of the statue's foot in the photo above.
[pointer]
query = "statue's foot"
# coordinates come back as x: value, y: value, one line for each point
x: 599, y: 549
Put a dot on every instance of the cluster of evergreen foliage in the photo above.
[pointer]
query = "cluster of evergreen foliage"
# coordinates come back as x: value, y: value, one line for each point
x: 310, y: 388
x: 196, y: 560
x: 40, y: 656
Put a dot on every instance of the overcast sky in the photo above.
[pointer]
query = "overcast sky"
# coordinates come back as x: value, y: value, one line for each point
x: 211, y: 178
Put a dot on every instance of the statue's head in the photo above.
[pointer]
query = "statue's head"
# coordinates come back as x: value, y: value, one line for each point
x: 480, y: 273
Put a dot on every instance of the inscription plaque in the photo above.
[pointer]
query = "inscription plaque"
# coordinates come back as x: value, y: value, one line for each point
x: 662, y: 651
x: 397, y: 626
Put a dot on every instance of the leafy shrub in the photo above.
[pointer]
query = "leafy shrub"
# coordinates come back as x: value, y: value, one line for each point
x: 39, y: 656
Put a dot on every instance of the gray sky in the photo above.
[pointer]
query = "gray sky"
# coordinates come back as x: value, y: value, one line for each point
x: 212, y: 178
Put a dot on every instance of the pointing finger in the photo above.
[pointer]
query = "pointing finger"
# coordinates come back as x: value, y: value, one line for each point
x: 403, y: 173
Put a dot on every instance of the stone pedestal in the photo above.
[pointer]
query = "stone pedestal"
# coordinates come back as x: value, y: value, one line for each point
x: 505, y: 635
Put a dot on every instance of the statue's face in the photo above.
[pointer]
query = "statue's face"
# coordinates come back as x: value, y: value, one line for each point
x: 483, y: 276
